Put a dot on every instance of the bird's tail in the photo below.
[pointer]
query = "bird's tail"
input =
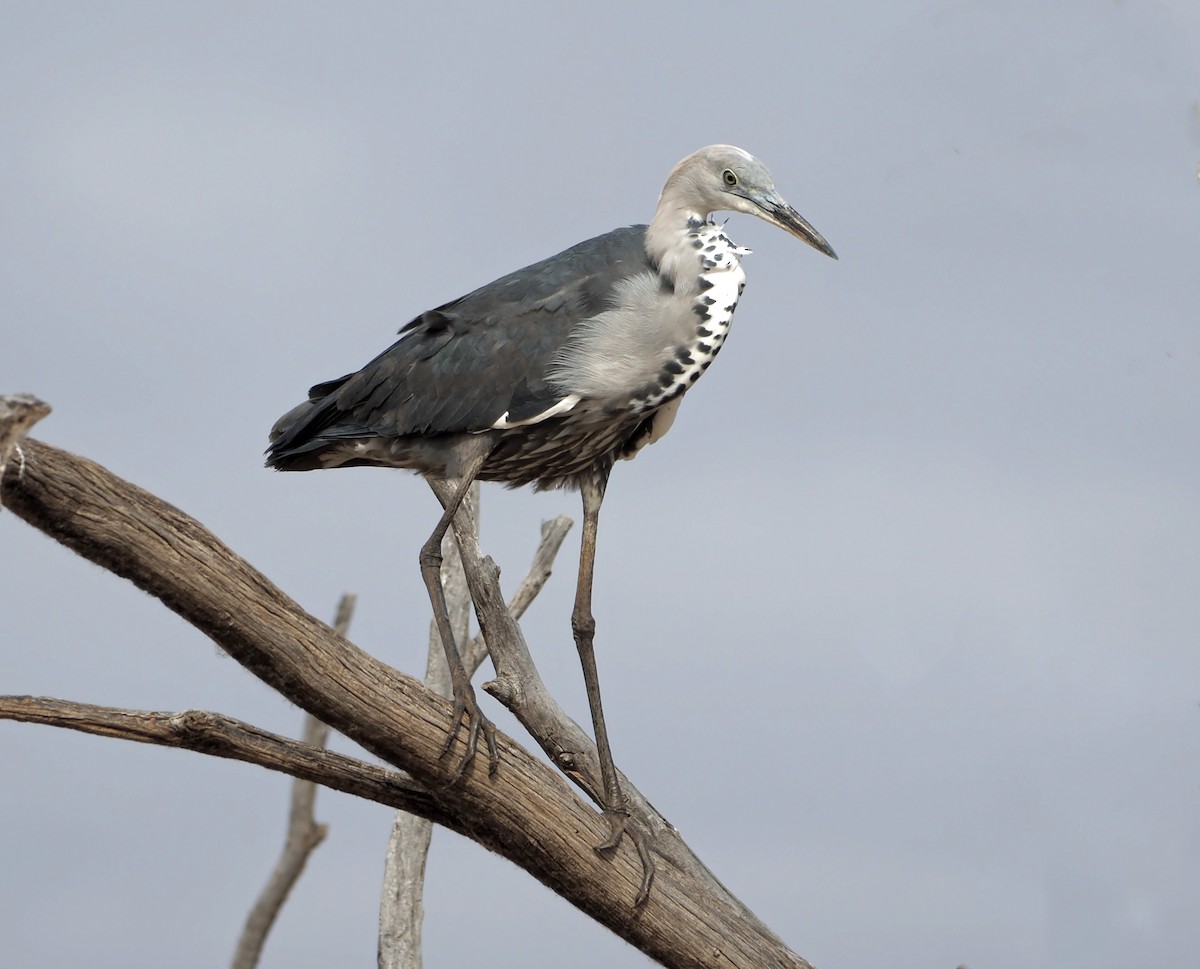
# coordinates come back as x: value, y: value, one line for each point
x: 297, y: 440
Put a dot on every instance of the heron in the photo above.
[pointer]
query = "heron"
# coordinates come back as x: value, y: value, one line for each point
x: 546, y: 377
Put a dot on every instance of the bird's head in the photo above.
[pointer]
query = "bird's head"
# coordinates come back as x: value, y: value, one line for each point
x: 722, y: 178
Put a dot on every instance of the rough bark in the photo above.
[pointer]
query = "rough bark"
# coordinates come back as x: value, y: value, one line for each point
x: 18, y: 413
x: 524, y: 812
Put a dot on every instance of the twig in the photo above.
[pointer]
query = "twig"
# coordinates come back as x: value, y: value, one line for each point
x: 303, y: 835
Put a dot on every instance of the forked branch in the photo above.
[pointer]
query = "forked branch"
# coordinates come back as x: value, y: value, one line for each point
x: 525, y: 812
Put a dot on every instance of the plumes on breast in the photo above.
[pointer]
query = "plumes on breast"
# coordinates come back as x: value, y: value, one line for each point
x: 614, y: 354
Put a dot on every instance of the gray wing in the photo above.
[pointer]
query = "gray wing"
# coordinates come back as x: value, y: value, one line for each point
x: 463, y: 365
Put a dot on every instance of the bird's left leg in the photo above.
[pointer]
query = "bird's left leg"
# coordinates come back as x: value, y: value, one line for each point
x: 583, y: 625
x: 431, y: 571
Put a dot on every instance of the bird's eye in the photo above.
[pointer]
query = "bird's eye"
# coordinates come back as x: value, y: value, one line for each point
x: 730, y: 177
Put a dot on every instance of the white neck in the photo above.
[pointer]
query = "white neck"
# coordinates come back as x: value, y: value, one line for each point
x: 667, y: 240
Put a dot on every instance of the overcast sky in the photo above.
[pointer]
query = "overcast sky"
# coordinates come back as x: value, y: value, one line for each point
x: 899, y: 625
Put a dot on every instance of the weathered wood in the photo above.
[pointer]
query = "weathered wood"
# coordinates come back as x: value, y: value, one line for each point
x: 18, y: 413
x: 524, y: 812
x: 220, y: 736
x: 303, y: 835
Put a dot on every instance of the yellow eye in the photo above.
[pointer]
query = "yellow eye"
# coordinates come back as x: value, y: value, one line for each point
x: 730, y: 177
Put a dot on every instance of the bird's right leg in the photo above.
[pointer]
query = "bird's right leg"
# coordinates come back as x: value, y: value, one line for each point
x: 464, y: 695
x: 583, y: 625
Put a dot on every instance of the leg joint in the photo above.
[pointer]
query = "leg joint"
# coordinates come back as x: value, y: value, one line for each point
x: 583, y: 624
x: 431, y: 556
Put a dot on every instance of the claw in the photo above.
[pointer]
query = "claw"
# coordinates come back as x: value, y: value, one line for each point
x: 618, y: 821
x: 465, y: 703
x: 618, y: 826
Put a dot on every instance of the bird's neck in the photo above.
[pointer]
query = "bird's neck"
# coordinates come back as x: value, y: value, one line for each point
x: 668, y: 241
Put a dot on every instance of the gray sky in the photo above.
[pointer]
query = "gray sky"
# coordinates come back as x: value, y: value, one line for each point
x: 898, y: 625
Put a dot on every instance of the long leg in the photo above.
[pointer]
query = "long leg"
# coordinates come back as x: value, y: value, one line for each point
x: 431, y: 572
x: 583, y: 625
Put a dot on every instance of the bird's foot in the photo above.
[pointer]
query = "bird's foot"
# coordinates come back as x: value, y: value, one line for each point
x: 619, y: 825
x: 465, y: 703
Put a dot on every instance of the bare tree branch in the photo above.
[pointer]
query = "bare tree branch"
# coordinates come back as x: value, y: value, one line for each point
x: 221, y: 736
x: 553, y: 534
x: 524, y: 812
x: 402, y: 898
x: 18, y: 413
x: 303, y: 835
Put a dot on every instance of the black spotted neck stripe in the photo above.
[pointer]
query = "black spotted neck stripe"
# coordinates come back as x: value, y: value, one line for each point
x: 720, y: 281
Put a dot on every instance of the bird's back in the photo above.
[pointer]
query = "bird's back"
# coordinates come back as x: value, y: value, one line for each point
x: 461, y: 368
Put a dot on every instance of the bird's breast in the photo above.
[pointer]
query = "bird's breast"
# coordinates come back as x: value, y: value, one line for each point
x: 713, y: 289
x: 662, y: 332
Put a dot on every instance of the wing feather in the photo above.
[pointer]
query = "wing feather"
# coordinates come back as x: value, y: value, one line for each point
x: 463, y: 365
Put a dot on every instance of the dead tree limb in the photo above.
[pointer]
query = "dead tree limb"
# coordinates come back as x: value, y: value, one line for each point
x: 553, y: 534
x: 303, y: 835
x: 18, y: 413
x: 220, y: 736
x: 524, y: 812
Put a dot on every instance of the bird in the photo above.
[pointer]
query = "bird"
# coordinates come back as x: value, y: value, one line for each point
x: 546, y: 377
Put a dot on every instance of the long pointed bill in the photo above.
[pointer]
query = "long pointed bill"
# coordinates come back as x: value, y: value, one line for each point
x: 778, y: 212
